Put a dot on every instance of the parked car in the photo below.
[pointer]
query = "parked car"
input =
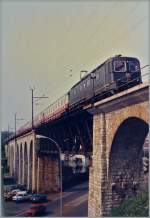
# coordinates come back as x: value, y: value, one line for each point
x: 36, y: 198
x: 36, y: 210
x: 8, y: 196
x: 15, y: 191
x: 21, y: 197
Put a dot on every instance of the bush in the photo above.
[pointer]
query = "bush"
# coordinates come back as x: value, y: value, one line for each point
x: 136, y: 206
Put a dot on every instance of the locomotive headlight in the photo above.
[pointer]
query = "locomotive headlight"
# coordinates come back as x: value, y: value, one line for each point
x: 93, y: 75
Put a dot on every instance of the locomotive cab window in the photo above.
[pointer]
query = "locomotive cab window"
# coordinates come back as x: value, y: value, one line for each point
x: 133, y: 66
x: 120, y: 66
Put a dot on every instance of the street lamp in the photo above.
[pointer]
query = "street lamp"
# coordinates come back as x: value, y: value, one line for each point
x: 60, y: 165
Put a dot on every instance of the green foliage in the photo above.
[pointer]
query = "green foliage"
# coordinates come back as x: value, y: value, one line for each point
x: 137, y: 206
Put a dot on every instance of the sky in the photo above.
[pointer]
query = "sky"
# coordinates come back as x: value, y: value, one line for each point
x: 45, y: 44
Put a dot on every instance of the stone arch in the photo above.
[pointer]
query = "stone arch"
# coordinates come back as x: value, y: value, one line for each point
x: 125, y: 160
x: 25, y: 164
x: 115, y: 118
x: 30, y: 165
x: 21, y: 164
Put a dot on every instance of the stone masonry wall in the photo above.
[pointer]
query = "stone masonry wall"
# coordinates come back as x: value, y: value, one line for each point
x: 105, y: 126
x: 97, y: 179
x: 48, y: 175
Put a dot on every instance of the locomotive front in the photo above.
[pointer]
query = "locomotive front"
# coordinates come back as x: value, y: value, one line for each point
x: 126, y: 72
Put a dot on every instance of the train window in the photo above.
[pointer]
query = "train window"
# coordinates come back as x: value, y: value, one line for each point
x: 133, y: 66
x: 84, y: 85
x: 120, y: 66
x: 88, y: 82
x: 97, y: 76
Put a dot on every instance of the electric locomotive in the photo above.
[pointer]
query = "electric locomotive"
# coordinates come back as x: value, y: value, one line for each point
x: 115, y: 74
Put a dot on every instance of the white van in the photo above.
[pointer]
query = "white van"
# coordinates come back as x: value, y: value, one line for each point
x: 21, y: 196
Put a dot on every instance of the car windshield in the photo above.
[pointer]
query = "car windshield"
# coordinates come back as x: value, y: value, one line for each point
x: 119, y: 66
x: 133, y: 66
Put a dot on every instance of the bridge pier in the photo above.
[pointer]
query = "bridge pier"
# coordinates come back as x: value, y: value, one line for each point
x: 34, y: 176
x: 98, y: 170
x: 30, y: 166
x: 47, y: 174
x: 118, y: 137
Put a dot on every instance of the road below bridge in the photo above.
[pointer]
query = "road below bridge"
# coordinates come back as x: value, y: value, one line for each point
x: 75, y: 204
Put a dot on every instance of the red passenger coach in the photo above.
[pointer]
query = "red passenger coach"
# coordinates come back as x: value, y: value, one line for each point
x: 52, y: 112
x: 56, y: 109
x: 25, y: 128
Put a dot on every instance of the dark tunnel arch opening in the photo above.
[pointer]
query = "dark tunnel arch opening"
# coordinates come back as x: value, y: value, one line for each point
x: 125, y: 163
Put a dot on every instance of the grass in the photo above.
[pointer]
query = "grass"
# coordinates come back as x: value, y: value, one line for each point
x: 137, y: 206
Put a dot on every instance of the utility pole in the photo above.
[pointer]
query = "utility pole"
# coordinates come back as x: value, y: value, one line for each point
x: 32, y: 90
x: 34, y: 97
x: 8, y: 131
x: 15, y: 125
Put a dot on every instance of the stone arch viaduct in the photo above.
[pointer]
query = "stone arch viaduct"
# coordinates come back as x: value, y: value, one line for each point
x: 120, y: 126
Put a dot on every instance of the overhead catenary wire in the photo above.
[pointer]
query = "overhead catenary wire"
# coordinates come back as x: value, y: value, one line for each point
x: 122, y: 24
x: 67, y: 52
x: 105, y: 19
x: 144, y: 66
